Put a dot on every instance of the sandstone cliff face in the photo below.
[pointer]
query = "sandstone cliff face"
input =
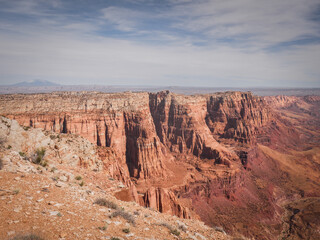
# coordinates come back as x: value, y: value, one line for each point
x: 281, y: 101
x: 122, y: 123
x: 305, y: 103
x: 144, y: 129
x: 180, y: 123
x: 190, y: 124
x: 237, y: 115
x: 165, y: 201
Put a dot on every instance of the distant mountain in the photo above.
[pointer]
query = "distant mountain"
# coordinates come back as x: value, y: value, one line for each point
x: 35, y: 83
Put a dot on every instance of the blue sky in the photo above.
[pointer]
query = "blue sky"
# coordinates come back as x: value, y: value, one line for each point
x: 225, y: 43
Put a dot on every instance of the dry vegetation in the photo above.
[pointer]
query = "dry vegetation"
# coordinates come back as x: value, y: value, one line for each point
x: 125, y: 215
x: 27, y: 237
x: 105, y: 203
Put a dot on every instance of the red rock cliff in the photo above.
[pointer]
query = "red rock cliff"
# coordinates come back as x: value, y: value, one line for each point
x: 142, y: 135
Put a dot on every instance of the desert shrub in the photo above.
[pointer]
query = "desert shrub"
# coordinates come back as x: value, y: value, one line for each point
x: 81, y: 183
x: 167, y: 225
x: 106, y: 203
x: 78, y: 178
x: 22, y: 154
x: 26, y: 128
x: 125, y: 215
x: 171, y: 229
x: 175, y: 232
x: 114, y: 238
x: 126, y: 230
x: 136, y: 213
x: 38, y: 157
x: 40, y: 153
x: 53, y: 137
x: 6, y: 123
x: 9, y: 147
x: 103, y: 228
x: 182, y: 226
x: 27, y: 237
x: 1, y: 163
x: 53, y: 169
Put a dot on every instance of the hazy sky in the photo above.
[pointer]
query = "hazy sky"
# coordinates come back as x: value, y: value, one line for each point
x: 216, y: 43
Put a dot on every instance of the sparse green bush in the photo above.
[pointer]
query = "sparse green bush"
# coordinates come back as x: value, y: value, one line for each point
x: 9, y: 147
x: 103, y: 228
x: 40, y: 153
x: 81, y: 184
x: 27, y: 237
x: 38, y: 157
x: 6, y: 123
x: 59, y: 214
x: 126, y: 230
x: 1, y: 163
x: 127, y: 216
x: 105, y: 203
x: 26, y: 128
x: 22, y: 154
x: 175, y: 232
x: 78, y: 178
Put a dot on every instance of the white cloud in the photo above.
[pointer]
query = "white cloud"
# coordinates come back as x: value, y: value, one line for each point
x: 124, y: 19
x: 102, y: 60
x: 63, y: 49
x: 262, y: 22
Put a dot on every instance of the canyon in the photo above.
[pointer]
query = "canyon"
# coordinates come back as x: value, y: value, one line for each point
x: 231, y: 159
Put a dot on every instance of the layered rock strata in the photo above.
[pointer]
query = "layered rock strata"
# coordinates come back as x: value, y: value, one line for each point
x: 140, y: 136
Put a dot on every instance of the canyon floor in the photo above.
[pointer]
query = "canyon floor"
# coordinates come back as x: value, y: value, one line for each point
x: 227, y: 165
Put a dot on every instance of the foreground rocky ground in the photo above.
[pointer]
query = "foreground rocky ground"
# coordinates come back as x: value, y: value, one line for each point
x: 44, y: 191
